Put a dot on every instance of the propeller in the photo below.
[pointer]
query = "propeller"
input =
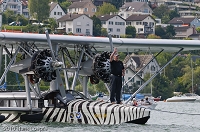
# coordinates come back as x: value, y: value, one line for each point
x: 55, y: 63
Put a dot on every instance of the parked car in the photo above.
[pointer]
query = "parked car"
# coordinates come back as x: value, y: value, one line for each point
x: 14, y: 23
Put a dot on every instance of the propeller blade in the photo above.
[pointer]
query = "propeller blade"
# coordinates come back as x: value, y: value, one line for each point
x: 58, y: 78
x: 111, y: 43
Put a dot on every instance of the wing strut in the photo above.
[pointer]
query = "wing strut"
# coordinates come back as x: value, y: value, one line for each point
x: 58, y: 78
x: 152, y: 77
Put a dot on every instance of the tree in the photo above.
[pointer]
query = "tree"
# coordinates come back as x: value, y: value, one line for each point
x: 22, y: 20
x: 160, y: 11
x: 170, y: 31
x: 130, y: 30
x: 53, y: 24
x: 159, y: 31
x: 104, y: 33
x: 96, y: 26
x: 64, y: 5
x: 8, y: 17
x: 198, y: 29
x: 117, y: 3
x: 106, y: 8
x: 36, y: 9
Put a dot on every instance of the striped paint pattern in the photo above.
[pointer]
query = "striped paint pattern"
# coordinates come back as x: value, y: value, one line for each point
x: 91, y: 112
x: 88, y: 112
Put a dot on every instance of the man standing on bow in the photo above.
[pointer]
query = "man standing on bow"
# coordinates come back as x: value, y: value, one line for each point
x: 117, y: 71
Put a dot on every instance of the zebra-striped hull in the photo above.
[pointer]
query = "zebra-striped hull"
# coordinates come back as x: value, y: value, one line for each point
x: 89, y: 112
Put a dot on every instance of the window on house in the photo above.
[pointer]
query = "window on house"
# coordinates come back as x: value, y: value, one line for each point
x: 78, y: 30
x: 85, y: 9
x: 69, y: 29
x: 126, y: 71
x: 110, y: 29
x: 140, y: 30
x: 87, y: 31
x: 118, y: 30
x: 54, y: 13
x: 93, y: 9
x: 128, y: 23
x: 138, y: 82
x: 146, y: 10
x: 132, y: 80
x: 110, y: 22
x: 153, y: 68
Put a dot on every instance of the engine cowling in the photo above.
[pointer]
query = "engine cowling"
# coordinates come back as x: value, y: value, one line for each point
x: 101, y: 66
x: 43, y: 65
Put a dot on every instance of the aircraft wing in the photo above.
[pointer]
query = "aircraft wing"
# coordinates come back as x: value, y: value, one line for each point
x: 101, y: 43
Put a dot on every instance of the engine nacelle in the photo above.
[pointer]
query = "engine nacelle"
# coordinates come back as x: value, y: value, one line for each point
x: 101, y: 66
x: 43, y: 65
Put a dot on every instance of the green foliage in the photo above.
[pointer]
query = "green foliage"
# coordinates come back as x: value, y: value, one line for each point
x: 53, y: 24
x: 22, y: 19
x: 36, y: 9
x: 104, y: 32
x: 198, y: 29
x: 96, y: 26
x: 165, y: 34
x: 153, y: 36
x: 15, y: 28
x: 117, y: 3
x: 126, y: 36
x: 160, y: 11
x: 130, y: 30
x: 64, y: 5
x: 8, y: 17
x: 106, y: 8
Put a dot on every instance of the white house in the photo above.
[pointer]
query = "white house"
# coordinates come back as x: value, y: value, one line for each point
x: 144, y: 24
x: 136, y: 81
x: 13, y: 5
x: 56, y: 11
x: 114, y: 24
x: 130, y: 8
x: 78, y: 24
x: 136, y: 62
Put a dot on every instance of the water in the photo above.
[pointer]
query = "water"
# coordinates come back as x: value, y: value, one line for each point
x: 163, y: 119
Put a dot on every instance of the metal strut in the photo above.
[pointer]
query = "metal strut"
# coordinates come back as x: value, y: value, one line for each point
x: 152, y: 77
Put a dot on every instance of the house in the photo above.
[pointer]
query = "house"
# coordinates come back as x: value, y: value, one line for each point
x: 136, y: 62
x: 25, y: 11
x: 130, y: 8
x: 13, y: 5
x: 185, y: 32
x: 144, y: 24
x: 114, y: 24
x: 82, y: 7
x: 78, y: 24
x: 56, y: 11
x: 181, y: 21
x: 137, y: 81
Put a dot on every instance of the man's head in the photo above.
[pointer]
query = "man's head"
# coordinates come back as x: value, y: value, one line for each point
x: 116, y: 56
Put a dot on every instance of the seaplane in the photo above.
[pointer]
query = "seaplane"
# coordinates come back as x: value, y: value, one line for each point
x: 43, y: 57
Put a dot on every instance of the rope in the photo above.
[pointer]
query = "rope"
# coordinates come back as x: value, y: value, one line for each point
x: 175, y: 112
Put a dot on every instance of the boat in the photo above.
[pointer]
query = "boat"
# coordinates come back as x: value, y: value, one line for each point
x: 181, y: 99
x: 141, y: 101
x: 193, y: 95
x: 78, y: 109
